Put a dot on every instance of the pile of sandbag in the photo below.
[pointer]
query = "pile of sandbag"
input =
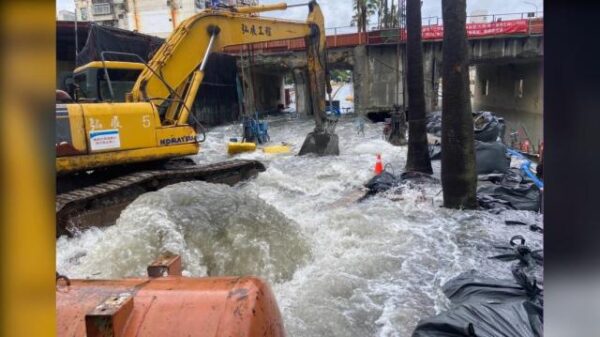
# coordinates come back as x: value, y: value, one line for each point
x: 487, y: 307
x: 487, y: 127
x: 490, y: 152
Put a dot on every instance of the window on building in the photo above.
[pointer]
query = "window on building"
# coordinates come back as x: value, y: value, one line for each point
x: 84, y: 14
x: 102, y: 9
x: 519, y: 88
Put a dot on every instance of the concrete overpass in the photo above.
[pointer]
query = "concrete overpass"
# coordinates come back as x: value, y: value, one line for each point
x: 506, y: 58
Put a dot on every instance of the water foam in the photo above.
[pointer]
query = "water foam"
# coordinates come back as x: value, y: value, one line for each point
x: 337, y: 267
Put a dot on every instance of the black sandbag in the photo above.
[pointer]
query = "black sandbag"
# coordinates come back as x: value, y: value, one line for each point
x: 487, y: 307
x: 380, y: 183
x: 386, y: 180
x: 491, y: 157
x: 487, y: 128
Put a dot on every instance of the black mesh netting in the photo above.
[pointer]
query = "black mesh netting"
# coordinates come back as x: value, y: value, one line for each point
x: 102, y: 38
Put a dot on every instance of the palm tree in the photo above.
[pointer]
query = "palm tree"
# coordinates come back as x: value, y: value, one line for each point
x: 363, y: 10
x: 459, y: 178
x: 388, y: 17
x: 418, y: 151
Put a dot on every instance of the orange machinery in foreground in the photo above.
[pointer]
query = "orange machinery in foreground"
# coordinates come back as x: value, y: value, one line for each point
x: 167, y: 306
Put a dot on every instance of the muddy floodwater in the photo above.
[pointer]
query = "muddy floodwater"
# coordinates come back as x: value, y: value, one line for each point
x: 337, y: 267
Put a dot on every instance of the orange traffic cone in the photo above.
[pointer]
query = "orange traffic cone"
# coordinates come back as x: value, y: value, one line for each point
x: 378, y: 165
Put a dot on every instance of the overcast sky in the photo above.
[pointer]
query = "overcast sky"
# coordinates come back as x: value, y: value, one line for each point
x: 338, y: 13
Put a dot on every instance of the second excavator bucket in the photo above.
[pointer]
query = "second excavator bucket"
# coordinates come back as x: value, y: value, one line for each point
x: 321, y: 143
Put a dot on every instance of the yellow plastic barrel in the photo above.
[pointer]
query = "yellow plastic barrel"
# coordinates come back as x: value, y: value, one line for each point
x: 275, y: 149
x: 233, y: 148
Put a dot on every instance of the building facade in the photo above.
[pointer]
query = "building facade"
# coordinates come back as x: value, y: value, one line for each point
x: 64, y: 15
x: 154, y: 17
x: 104, y: 12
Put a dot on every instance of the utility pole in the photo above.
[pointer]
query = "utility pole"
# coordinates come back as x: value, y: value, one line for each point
x: 402, y: 13
x: 76, y: 37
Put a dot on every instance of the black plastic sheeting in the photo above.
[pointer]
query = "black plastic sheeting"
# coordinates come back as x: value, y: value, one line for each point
x: 517, y: 250
x: 102, y: 38
x: 512, y: 190
x: 487, y: 307
x: 486, y: 126
x: 482, y: 306
x: 386, y: 181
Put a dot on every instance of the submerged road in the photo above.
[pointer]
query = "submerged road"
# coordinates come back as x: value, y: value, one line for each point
x: 338, y: 268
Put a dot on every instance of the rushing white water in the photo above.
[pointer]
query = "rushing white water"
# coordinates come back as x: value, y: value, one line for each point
x: 337, y: 267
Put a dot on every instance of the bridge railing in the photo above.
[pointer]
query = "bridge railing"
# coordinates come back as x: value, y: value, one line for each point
x: 478, y: 26
x: 432, y: 29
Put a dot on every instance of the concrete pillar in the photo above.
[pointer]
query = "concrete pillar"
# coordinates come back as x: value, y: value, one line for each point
x: 268, y: 87
x: 248, y: 87
x: 377, y: 79
x: 432, y: 72
x: 360, y: 78
x: 513, y: 91
x: 301, y: 87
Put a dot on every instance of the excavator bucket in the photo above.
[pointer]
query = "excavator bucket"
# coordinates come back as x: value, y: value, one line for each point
x: 320, y: 143
x: 168, y: 307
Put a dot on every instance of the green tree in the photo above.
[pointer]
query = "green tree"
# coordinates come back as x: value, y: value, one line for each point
x: 459, y: 177
x: 388, y: 16
x: 363, y: 10
x: 418, y: 150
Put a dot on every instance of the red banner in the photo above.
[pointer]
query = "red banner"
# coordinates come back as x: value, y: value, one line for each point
x: 436, y: 32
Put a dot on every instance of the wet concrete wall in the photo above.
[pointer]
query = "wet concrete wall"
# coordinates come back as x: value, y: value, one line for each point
x: 514, y: 91
x: 378, y: 74
x: 377, y: 77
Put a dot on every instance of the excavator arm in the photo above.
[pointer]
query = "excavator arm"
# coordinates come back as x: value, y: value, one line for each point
x: 176, y: 71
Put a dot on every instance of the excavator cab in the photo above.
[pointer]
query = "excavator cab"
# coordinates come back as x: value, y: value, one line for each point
x: 91, y: 83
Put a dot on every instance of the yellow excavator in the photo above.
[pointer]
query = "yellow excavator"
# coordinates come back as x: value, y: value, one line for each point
x: 116, y: 142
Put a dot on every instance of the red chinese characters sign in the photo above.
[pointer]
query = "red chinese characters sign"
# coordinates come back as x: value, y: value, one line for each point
x: 436, y: 32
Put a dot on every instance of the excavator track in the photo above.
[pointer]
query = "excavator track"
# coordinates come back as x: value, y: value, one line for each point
x: 99, y: 205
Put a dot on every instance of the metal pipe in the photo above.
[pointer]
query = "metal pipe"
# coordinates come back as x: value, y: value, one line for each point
x: 190, y: 96
x: 208, y: 49
x: 298, y: 5
x: 76, y: 40
x: 266, y: 8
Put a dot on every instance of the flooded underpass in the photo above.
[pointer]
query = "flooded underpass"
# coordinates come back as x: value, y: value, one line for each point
x: 337, y: 267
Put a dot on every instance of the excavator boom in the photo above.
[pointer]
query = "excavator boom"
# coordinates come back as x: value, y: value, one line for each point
x: 213, y: 31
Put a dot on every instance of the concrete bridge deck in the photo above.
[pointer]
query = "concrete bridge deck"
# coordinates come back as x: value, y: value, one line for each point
x: 506, y: 58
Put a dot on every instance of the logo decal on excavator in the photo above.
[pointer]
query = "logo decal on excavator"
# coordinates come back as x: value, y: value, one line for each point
x: 177, y: 140
x: 256, y: 30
